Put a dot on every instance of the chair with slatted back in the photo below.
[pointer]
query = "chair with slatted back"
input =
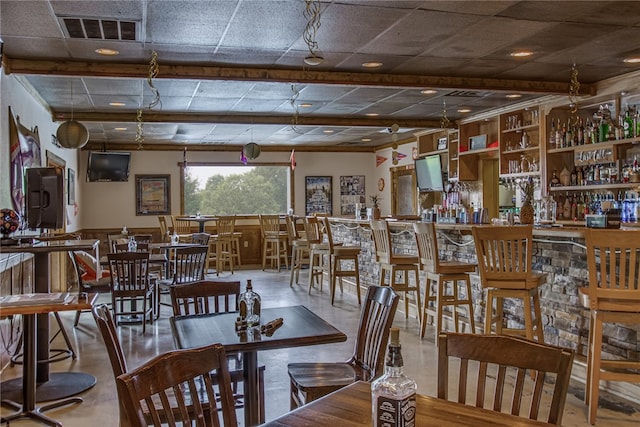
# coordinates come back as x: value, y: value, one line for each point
x: 299, y: 250
x: 503, y: 362
x: 130, y: 283
x: 186, y: 266
x: 223, y: 242
x: 164, y: 228
x: 504, y: 260
x: 181, y: 227
x: 319, y: 259
x: 310, y: 381
x: 86, y: 277
x: 394, y: 263
x: 216, y: 296
x: 613, y: 296
x: 182, y: 379
x: 116, y: 239
x: 339, y: 254
x: 274, y: 242
x: 442, y: 272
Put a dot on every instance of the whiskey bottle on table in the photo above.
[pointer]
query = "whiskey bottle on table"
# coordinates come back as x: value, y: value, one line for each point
x: 249, y: 306
x: 393, y: 395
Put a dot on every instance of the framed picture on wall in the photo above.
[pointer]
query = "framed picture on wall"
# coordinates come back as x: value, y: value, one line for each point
x: 318, y: 195
x: 71, y: 186
x: 351, y: 192
x: 153, y: 196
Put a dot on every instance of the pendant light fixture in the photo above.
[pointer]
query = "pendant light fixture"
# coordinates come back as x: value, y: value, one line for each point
x: 72, y: 134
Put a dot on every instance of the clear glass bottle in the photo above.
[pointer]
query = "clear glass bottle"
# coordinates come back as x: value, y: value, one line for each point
x: 132, y: 245
x: 393, y: 395
x: 250, y: 306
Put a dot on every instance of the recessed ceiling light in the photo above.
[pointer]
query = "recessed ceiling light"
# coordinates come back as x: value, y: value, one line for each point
x: 366, y: 139
x: 464, y: 110
x: 120, y: 129
x: 313, y: 60
x: 513, y: 95
x: 328, y: 131
x: 306, y: 105
x: 632, y: 60
x: 521, y: 53
x: 372, y: 64
x: 117, y: 104
x: 372, y: 114
x: 107, y: 52
x: 428, y: 91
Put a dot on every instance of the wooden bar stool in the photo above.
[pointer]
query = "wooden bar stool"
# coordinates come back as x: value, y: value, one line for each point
x: 504, y: 260
x: 395, y: 263
x: 442, y: 272
x: 319, y: 258
x: 223, y: 242
x: 339, y: 253
x: 613, y: 260
x: 299, y: 250
x: 274, y: 244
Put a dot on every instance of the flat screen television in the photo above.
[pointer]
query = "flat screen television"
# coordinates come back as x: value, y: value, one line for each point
x: 429, y: 173
x: 106, y: 166
x: 45, y: 198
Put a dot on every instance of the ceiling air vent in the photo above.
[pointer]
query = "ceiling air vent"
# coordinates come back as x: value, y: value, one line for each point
x: 99, y: 29
x: 467, y: 94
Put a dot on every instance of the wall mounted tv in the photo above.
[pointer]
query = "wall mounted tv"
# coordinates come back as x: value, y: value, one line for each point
x: 108, y: 166
x: 429, y: 173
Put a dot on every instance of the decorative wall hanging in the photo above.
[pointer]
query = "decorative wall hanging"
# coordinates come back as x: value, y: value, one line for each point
x: 380, y: 160
x: 352, y: 191
x: 318, y: 195
x: 153, y: 195
x: 24, y: 148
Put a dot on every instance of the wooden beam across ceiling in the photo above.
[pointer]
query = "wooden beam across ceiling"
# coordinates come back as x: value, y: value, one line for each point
x: 285, y: 75
x: 153, y: 117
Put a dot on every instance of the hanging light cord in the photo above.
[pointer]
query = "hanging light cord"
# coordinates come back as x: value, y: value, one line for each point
x: 312, y: 14
x: 574, y: 89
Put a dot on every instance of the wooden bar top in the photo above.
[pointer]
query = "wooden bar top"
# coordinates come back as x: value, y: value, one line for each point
x: 351, y: 407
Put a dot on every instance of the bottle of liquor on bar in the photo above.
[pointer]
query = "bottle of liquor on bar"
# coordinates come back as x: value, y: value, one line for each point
x: 393, y: 395
x: 566, y: 208
x: 581, y: 132
x: 628, y: 124
x: 552, y: 135
x: 249, y: 306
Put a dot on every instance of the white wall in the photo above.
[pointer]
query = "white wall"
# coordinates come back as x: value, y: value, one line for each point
x: 112, y: 204
x: 383, y: 171
x: 14, y: 94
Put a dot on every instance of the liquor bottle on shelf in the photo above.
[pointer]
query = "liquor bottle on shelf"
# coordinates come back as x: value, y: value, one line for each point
x: 566, y: 208
x: 555, y: 181
x: 249, y: 306
x: 552, y: 135
x: 627, y: 125
x: 393, y: 395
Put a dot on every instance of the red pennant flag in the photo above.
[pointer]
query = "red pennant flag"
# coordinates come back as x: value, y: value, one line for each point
x: 380, y: 160
x: 401, y: 156
x: 292, y: 158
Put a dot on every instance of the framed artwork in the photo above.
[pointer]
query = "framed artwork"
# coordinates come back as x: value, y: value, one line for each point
x: 318, y: 195
x: 351, y: 192
x: 71, y: 186
x: 153, y: 196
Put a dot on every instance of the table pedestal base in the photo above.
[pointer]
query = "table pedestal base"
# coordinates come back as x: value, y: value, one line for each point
x: 59, y: 386
x: 37, y: 413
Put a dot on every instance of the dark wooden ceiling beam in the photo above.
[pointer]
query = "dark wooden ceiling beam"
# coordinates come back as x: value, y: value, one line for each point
x: 152, y: 117
x: 99, y: 146
x: 208, y: 72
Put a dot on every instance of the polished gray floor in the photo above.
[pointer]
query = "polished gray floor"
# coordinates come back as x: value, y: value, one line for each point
x: 100, y: 405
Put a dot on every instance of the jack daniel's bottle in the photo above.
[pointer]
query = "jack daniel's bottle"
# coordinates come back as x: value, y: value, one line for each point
x: 393, y: 395
x: 250, y: 306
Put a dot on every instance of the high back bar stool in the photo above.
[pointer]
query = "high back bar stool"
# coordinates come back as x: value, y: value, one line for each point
x: 395, y: 263
x: 340, y: 253
x: 613, y: 259
x: 274, y: 241
x: 299, y: 250
x: 442, y: 272
x: 504, y: 261
x: 319, y: 259
x: 223, y: 241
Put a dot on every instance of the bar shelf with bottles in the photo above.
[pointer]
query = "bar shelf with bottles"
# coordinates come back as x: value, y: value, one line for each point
x: 520, y: 143
x: 598, y: 157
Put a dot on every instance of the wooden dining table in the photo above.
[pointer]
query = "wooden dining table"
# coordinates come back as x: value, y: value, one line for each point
x: 30, y: 306
x: 300, y: 327
x: 351, y: 407
x: 201, y: 220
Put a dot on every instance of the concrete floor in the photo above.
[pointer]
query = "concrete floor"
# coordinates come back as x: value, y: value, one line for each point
x: 420, y: 359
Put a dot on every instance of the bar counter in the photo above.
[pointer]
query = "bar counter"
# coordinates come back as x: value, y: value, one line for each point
x: 558, y: 251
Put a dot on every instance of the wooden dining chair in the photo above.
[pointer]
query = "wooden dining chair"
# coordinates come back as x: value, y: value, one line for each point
x: 116, y: 239
x: 217, y: 296
x: 181, y: 227
x: 310, y: 381
x: 613, y: 296
x: 177, y: 388
x: 130, y: 283
x: 186, y: 266
x: 164, y: 228
x: 86, y: 277
x: 501, y: 368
